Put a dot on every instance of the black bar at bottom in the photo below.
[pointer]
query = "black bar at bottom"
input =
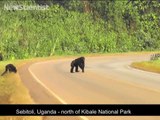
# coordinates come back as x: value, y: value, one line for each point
x: 80, y: 110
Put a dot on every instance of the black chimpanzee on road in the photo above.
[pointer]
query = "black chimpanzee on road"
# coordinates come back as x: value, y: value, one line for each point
x: 10, y: 68
x: 79, y: 62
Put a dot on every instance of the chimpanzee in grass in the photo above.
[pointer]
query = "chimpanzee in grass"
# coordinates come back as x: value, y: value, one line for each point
x: 9, y: 68
x: 79, y: 62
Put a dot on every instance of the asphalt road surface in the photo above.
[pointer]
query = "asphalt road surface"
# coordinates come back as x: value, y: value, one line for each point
x: 106, y: 80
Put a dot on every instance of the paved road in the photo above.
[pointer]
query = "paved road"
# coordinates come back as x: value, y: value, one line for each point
x: 107, y: 80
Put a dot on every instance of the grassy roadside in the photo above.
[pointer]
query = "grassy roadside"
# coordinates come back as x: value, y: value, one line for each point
x: 12, y: 91
x: 152, y: 66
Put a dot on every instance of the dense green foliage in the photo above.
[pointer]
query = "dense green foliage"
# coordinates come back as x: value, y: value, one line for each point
x: 78, y: 26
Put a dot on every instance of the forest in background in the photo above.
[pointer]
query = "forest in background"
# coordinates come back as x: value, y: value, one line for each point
x: 78, y: 26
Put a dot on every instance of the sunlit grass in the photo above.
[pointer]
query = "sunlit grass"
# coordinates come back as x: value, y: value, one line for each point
x: 12, y: 91
x: 152, y: 66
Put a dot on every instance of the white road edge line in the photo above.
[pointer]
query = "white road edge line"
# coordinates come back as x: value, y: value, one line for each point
x: 51, y: 92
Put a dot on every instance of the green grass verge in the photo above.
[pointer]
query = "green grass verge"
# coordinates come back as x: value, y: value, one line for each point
x: 152, y: 66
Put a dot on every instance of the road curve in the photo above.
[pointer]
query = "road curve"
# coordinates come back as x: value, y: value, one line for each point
x: 107, y: 80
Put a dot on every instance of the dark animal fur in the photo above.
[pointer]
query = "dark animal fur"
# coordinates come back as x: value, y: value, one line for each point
x: 79, y: 62
x: 9, y: 68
